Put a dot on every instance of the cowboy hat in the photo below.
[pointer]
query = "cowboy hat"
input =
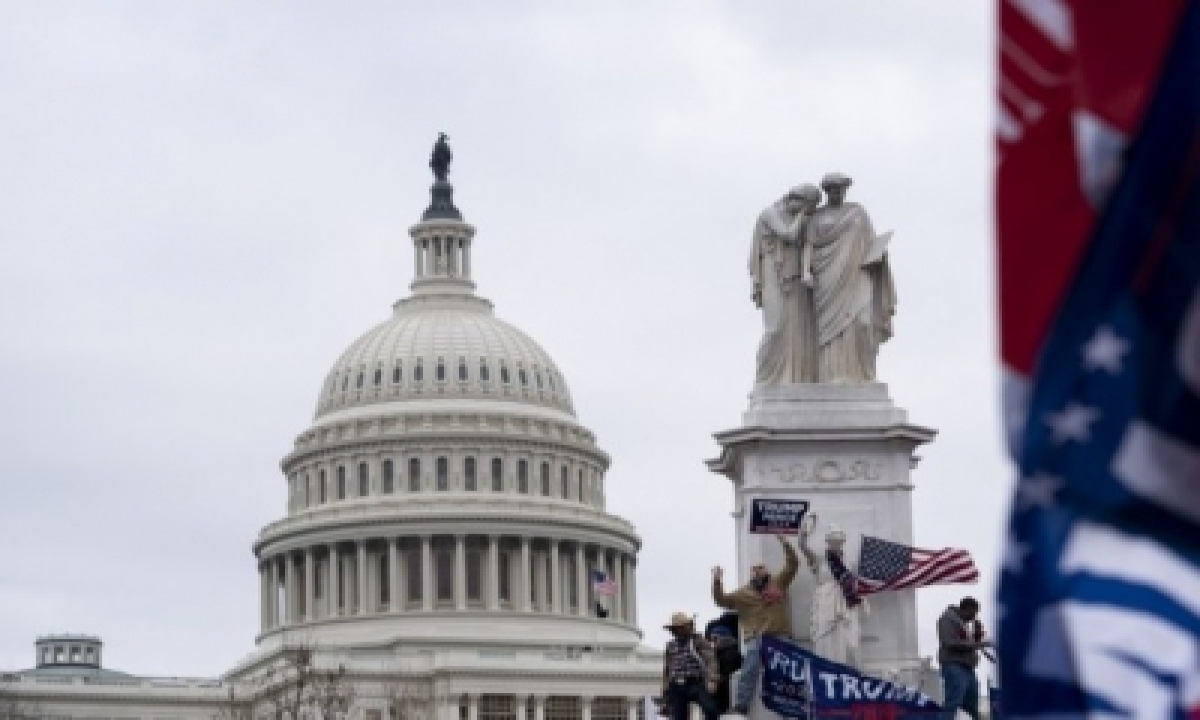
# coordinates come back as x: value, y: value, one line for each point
x: 678, y: 619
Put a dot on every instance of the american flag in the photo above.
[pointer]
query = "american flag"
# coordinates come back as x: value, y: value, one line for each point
x: 884, y: 565
x: 602, y: 585
x: 1098, y: 225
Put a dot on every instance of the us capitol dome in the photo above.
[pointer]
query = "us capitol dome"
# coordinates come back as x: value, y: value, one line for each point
x: 445, y: 538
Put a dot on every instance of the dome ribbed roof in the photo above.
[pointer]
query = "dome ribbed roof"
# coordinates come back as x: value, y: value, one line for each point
x: 443, y: 348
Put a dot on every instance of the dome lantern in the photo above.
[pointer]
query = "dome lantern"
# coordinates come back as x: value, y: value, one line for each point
x: 442, y: 241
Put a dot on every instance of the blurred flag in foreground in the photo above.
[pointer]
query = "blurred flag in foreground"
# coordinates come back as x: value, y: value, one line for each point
x: 1098, y: 230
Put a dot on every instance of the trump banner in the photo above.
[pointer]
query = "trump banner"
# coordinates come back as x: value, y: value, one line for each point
x: 777, y: 517
x: 799, y: 684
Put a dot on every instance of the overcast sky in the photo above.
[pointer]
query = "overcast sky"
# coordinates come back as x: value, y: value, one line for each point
x: 202, y: 204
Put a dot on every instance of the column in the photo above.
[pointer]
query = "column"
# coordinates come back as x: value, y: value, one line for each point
x: 460, y: 572
x: 417, y: 269
x: 526, y: 587
x: 263, y: 621
x: 394, y: 600
x: 631, y: 708
x: 273, y: 592
x: 361, y: 572
x: 587, y: 707
x: 581, y: 575
x: 289, y: 588
x: 493, y: 584
x: 539, y: 708
x: 427, y: 247
x: 540, y: 581
x: 310, y: 584
x: 426, y: 573
x: 618, y: 575
x: 472, y: 707
x: 556, y: 587
x: 519, y: 707
x: 466, y: 269
x: 331, y: 582
x: 631, y: 597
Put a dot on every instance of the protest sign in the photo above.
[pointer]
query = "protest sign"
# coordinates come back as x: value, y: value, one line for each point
x: 798, y: 684
x: 777, y: 517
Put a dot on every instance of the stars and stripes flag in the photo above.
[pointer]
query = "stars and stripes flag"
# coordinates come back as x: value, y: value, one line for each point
x: 1098, y: 231
x: 602, y: 585
x: 884, y: 565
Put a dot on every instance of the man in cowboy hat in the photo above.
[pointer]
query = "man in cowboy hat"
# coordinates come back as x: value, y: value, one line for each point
x: 690, y: 673
x: 762, y: 608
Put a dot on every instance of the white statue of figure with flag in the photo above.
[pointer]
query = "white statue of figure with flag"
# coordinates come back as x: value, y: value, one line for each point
x: 839, y: 600
x: 836, y: 605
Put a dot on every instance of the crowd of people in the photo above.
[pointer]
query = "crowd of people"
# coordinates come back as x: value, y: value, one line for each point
x: 698, y: 669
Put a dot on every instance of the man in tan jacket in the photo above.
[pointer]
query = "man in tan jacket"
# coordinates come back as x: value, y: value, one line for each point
x: 762, y: 608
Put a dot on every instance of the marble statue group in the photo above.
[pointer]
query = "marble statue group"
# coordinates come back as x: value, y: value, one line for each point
x: 822, y: 279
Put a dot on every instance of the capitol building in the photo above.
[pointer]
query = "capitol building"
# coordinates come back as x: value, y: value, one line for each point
x: 445, y: 541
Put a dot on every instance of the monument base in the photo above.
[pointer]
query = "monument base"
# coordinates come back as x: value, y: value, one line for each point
x: 849, y: 451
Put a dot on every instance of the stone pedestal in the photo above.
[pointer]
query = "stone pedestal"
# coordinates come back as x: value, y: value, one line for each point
x: 849, y: 451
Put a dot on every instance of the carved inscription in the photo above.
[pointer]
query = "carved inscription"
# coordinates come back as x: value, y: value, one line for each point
x: 819, y: 471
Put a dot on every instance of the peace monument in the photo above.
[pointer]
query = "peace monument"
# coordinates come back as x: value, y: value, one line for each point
x: 820, y: 427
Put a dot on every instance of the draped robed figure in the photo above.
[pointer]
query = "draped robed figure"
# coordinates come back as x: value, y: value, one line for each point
x: 787, y: 353
x: 854, y: 297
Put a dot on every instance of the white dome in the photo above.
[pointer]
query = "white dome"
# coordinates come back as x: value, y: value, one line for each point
x: 441, y: 348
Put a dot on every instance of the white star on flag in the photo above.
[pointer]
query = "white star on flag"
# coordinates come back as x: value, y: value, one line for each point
x: 1073, y: 423
x: 1014, y: 556
x: 1038, y: 490
x: 1105, y: 351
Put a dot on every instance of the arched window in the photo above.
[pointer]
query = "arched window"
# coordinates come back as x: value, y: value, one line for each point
x: 414, y: 474
x: 321, y: 489
x: 522, y: 476
x: 504, y: 374
x: 346, y: 382
x: 497, y: 475
x: 562, y: 482
x: 378, y: 377
x: 358, y: 383
x: 444, y: 571
x: 474, y: 575
x: 413, y: 572
x: 469, y: 481
x: 550, y: 378
x: 522, y: 377
x: 397, y: 374
x: 441, y: 371
x: 537, y: 376
x: 341, y: 483
x: 418, y: 372
x: 462, y: 370
x: 389, y: 484
x: 364, y: 480
x: 484, y: 375
x: 546, y: 478
x: 385, y: 580
x: 443, y: 474
x: 504, y: 577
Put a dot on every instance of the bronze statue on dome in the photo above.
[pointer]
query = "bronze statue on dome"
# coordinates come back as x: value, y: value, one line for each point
x: 440, y: 162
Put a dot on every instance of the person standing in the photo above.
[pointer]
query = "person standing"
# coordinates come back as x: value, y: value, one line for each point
x: 762, y: 608
x: 960, y: 638
x: 729, y: 661
x: 689, y: 672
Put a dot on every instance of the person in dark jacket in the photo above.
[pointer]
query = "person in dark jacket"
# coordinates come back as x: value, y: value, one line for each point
x: 960, y: 638
x: 729, y: 661
x: 689, y: 671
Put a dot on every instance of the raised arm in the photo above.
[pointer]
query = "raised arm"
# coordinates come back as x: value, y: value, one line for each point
x: 790, y: 563
x: 718, y: 590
